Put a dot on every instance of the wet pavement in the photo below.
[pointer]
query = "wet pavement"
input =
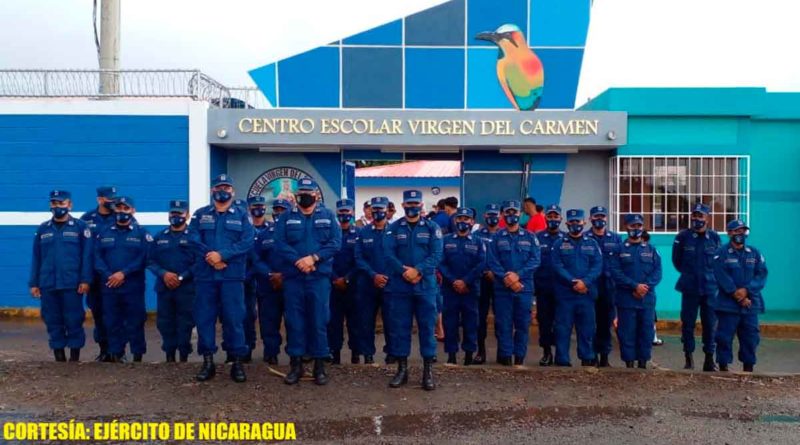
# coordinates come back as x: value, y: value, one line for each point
x: 477, y: 404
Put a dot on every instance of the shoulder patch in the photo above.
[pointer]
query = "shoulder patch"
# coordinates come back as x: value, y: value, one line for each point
x: 87, y: 233
x: 148, y: 237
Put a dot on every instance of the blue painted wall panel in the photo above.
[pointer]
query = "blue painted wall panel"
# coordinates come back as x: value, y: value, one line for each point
x: 372, y: 77
x: 434, y: 78
x: 388, y: 34
x: 548, y: 19
x: 310, y: 79
x: 440, y: 25
x: 488, y: 15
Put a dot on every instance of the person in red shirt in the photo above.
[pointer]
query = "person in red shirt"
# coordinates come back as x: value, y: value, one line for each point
x: 536, y: 221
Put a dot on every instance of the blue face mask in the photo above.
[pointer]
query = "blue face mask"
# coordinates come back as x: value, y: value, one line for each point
x: 123, y: 218
x: 511, y: 219
x: 412, y: 212
x: 599, y: 223
x: 553, y: 224
x: 258, y: 212
x: 59, y: 212
x: 739, y: 238
x: 221, y: 196
x: 698, y: 224
x: 635, y: 233
x: 343, y: 218
x: 575, y: 229
x: 378, y: 215
x: 492, y: 221
x: 177, y: 221
x: 463, y: 226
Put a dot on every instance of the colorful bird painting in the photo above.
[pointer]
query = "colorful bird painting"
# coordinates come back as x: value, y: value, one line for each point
x: 519, y: 70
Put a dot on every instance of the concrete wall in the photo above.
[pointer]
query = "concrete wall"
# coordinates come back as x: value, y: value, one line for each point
x: 585, y: 181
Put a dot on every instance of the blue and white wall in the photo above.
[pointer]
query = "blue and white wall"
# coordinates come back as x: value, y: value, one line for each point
x: 152, y: 150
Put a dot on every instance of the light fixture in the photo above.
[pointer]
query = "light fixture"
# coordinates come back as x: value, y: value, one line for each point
x: 222, y: 133
x: 612, y: 135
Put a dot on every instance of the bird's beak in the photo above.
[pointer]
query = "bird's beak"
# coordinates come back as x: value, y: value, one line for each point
x: 488, y: 36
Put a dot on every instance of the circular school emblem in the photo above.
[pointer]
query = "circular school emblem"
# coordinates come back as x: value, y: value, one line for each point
x: 279, y: 183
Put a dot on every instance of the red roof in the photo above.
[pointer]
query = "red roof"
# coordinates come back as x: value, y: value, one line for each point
x: 414, y: 169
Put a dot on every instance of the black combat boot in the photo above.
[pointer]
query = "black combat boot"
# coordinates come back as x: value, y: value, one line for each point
x: 117, y: 358
x: 748, y: 367
x: 603, y: 361
x: 247, y: 358
x: 590, y: 362
x: 228, y: 357
x: 518, y: 360
x: 723, y: 367
x: 689, y: 361
x: 451, y: 358
x: 320, y: 376
x: 390, y: 359
x: 480, y: 357
x: 74, y: 354
x: 355, y: 358
x: 642, y: 364
x: 237, y: 371
x: 137, y: 358
x: 368, y: 359
x: 208, y: 370
x: 171, y: 357
x: 60, y: 355
x: 184, y: 357
x: 708, y: 364
x: 547, y: 357
x: 629, y: 364
x: 401, y: 376
x: 505, y: 361
x: 468, y: 360
x: 335, y: 359
x: 271, y: 359
x: 295, y: 372
x: 427, y: 375
x: 103, y: 356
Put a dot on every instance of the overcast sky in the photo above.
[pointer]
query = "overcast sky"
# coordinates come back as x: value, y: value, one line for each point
x: 630, y: 43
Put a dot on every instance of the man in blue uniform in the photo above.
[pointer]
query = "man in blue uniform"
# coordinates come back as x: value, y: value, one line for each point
x: 605, y: 310
x: 413, y: 250
x: 343, y: 286
x: 577, y: 265
x: 741, y: 274
x: 269, y: 285
x: 372, y: 279
x: 544, y: 279
x: 513, y: 258
x: 257, y: 207
x: 307, y: 238
x: 120, y: 257
x: 61, y: 270
x: 462, y: 265
x: 171, y: 260
x: 636, y: 270
x: 222, y: 236
x: 693, y: 257
x: 491, y: 219
x: 97, y: 220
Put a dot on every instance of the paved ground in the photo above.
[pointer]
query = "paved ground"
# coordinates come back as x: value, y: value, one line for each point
x: 480, y: 404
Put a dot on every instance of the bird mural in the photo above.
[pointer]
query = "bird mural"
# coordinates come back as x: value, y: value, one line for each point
x: 519, y: 70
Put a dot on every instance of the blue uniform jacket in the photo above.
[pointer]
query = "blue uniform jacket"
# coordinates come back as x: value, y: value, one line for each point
x: 419, y: 247
x: 544, y: 278
x: 632, y: 264
x: 344, y: 261
x: 98, y: 222
x: 370, y: 258
x: 62, y: 256
x: 171, y: 251
x: 576, y: 258
x: 230, y: 233
x: 693, y: 257
x: 740, y: 268
x: 122, y: 249
x: 609, y: 242
x: 252, y: 257
x: 463, y: 259
x: 514, y: 252
x: 298, y: 235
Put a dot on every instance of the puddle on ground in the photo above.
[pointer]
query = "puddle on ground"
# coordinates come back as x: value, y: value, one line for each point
x: 779, y: 418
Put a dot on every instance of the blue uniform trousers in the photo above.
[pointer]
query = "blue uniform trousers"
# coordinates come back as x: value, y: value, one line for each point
x: 270, y: 314
x: 63, y: 315
x: 249, y: 323
x: 484, y: 303
x: 605, y: 312
x: 174, y: 318
x: 94, y: 299
x: 546, y: 317
x: 512, y: 319
x: 636, y: 331
x: 399, y: 310
x: 124, y: 316
x: 745, y: 327
x: 366, y: 302
x: 577, y: 312
x: 690, y: 305
x: 223, y: 298
x: 307, y: 303
x: 460, y: 311
x: 342, y: 308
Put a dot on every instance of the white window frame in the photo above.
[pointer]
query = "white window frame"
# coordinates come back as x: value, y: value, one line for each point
x: 615, y: 164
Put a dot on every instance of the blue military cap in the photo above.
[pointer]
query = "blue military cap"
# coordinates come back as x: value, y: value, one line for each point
x: 380, y: 202
x: 178, y: 205
x: 306, y: 185
x: 412, y: 196
x: 106, y: 191
x: 633, y: 218
x: 256, y: 201
x: 223, y: 179
x: 511, y: 204
x: 736, y: 224
x: 282, y: 203
x: 464, y: 211
x: 125, y: 200
x: 345, y: 204
x: 492, y: 209
x: 598, y: 210
x: 553, y: 208
x: 701, y: 208
x: 60, y: 195
x: 575, y: 215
